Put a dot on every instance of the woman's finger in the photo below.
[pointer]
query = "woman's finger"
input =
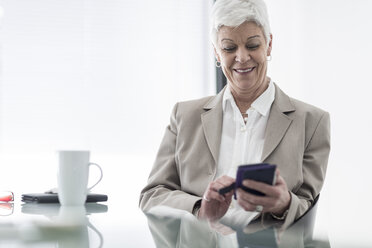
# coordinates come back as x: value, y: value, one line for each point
x: 246, y: 205
x: 254, y: 199
x: 259, y: 186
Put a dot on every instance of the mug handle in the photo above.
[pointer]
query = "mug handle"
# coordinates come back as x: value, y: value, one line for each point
x: 99, y: 180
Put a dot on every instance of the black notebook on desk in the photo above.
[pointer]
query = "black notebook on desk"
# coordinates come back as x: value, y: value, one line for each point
x: 53, y: 198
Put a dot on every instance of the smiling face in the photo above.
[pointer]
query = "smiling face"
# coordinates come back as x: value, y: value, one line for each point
x: 243, y: 53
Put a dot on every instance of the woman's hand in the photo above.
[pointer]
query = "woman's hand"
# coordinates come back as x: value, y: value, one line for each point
x: 276, y: 199
x: 214, y: 205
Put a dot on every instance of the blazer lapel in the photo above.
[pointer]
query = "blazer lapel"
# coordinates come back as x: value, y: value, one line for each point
x: 277, y: 123
x: 212, y: 124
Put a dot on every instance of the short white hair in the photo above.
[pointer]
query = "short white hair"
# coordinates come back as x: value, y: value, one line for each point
x: 233, y: 13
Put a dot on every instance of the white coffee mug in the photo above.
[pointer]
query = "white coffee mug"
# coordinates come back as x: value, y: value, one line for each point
x: 73, y: 174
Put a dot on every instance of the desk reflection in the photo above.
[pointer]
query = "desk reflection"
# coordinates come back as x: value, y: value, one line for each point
x: 65, y: 226
x: 6, y: 208
x: 175, y: 228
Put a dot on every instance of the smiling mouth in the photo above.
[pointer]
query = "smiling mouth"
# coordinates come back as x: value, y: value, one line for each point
x: 244, y: 70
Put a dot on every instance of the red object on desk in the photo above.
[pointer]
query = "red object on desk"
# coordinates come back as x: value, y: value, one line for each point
x: 6, y: 196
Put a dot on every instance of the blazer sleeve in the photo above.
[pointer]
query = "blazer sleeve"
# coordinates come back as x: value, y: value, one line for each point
x: 163, y: 186
x: 314, y: 167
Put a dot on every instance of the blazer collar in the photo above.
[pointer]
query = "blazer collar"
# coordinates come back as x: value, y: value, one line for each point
x: 282, y: 101
x: 278, y: 122
x: 215, y: 100
x: 212, y: 123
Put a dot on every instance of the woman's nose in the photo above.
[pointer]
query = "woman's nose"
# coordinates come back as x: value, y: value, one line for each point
x: 242, y: 56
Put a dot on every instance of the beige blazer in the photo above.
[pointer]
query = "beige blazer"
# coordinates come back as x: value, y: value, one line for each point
x: 297, y: 140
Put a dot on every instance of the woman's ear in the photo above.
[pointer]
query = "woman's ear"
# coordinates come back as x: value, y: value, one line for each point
x: 270, y: 46
x: 216, y: 54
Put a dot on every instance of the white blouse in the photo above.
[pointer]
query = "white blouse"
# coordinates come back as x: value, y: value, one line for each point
x: 242, y: 143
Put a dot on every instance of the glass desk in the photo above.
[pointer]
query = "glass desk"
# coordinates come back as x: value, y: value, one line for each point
x: 97, y: 225
x: 108, y: 225
x: 50, y: 225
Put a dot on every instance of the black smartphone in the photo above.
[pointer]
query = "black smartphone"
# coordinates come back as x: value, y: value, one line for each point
x: 262, y: 172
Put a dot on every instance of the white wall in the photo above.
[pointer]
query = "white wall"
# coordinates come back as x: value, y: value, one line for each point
x: 78, y: 73
x: 97, y: 75
x: 322, y: 55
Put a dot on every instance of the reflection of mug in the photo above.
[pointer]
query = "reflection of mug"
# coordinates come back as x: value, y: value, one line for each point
x: 74, y: 218
x: 73, y: 174
x: 69, y: 224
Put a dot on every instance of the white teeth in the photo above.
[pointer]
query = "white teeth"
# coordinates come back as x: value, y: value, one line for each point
x: 246, y: 70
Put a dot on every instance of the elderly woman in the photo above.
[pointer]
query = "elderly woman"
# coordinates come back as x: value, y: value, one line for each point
x: 251, y: 120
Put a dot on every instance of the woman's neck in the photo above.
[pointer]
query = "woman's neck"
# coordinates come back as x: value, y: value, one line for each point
x: 244, y: 99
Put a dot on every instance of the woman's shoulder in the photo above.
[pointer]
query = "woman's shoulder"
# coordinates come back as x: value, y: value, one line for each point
x: 307, y: 108
x: 295, y: 106
x: 187, y: 113
x: 194, y: 104
x: 309, y: 116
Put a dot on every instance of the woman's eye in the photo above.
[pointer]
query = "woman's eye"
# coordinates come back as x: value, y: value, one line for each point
x: 229, y: 49
x: 252, y: 47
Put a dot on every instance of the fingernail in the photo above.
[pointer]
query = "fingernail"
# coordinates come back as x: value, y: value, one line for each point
x: 246, y: 182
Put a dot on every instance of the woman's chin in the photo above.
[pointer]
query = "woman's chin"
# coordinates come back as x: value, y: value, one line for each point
x: 246, y: 85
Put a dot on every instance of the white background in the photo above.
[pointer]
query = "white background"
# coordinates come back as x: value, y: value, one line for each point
x: 103, y: 76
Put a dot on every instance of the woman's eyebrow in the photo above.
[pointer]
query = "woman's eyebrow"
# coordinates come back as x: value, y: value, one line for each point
x: 249, y: 38
x: 254, y: 36
x: 226, y: 39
